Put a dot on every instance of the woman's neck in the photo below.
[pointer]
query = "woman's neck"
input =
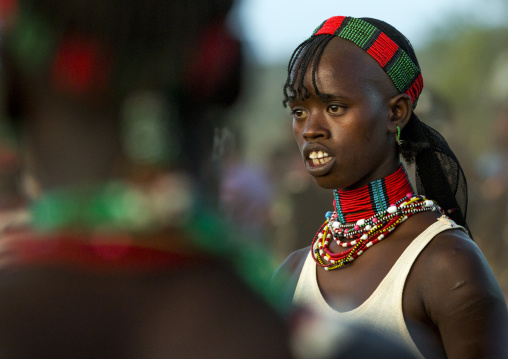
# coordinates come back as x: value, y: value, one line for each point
x: 377, y: 196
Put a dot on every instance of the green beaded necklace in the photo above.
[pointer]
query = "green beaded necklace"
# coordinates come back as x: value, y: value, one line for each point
x: 112, y: 206
x: 117, y: 206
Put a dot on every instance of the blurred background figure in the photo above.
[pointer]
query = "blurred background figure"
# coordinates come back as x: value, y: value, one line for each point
x: 114, y: 104
x: 492, y: 173
x: 246, y: 191
x: 298, y: 202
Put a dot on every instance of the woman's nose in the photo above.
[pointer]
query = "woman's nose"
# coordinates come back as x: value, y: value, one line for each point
x: 315, y: 127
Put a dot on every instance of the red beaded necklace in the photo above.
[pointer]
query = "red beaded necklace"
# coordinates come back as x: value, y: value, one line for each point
x: 365, y: 216
x: 377, y: 196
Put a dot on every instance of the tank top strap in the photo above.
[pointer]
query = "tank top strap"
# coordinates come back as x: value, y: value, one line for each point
x: 403, y: 265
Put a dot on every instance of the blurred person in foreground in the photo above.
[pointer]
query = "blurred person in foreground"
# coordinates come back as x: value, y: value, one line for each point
x: 114, y: 103
x: 387, y: 256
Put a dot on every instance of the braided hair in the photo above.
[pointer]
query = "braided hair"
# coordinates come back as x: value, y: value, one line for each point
x: 438, y: 172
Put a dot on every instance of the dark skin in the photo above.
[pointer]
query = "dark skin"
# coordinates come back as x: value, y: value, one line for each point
x: 452, y: 304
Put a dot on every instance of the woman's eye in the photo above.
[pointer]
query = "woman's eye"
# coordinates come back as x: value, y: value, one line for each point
x: 334, y: 109
x: 298, y: 113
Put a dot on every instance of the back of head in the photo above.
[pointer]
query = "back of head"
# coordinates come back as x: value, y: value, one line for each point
x: 141, y: 75
x: 113, y: 46
x: 115, y: 102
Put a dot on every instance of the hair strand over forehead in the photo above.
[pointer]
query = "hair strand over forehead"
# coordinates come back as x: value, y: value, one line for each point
x: 309, y: 51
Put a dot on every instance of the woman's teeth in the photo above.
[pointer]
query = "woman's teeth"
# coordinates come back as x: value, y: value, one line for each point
x: 319, y: 157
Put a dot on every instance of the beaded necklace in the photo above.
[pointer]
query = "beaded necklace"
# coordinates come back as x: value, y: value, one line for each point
x: 364, y: 202
x: 105, y: 218
x: 115, y: 206
x: 365, y: 216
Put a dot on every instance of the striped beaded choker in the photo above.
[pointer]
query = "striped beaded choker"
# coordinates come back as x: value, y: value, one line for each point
x: 365, y: 216
x: 377, y: 196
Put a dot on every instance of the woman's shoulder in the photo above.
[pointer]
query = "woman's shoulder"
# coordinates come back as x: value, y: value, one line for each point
x: 459, y: 290
x: 453, y: 269
x: 451, y: 247
x: 295, y: 260
x: 287, y: 274
x: 292, y: 266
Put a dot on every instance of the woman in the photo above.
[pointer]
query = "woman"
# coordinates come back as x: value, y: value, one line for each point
x: 388, y: 256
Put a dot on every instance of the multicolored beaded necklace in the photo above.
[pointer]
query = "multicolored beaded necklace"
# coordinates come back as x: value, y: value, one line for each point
x: 97, y: 224
x: 365, y: 216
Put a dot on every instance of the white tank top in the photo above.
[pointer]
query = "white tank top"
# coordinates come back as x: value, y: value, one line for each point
x: 383, y: 309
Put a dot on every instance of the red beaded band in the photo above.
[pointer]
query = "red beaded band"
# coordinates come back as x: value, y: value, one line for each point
x: 404, y: 73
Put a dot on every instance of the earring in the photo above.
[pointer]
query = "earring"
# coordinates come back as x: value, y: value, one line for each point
x: 397, y: 137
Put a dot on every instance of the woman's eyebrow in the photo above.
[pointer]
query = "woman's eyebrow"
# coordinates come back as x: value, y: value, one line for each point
x: 327, y: 97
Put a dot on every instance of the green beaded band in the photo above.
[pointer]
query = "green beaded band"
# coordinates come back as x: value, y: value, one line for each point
x: 404, y: 73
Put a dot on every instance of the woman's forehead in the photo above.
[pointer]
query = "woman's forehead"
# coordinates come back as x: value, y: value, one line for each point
x: 343, y: 64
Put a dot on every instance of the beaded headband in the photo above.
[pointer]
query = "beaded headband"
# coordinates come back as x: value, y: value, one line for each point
x: 404, y: 73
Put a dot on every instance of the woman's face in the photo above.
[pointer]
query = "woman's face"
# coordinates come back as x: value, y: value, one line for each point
x: 344, y: 132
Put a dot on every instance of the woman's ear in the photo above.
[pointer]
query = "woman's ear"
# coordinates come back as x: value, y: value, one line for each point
x: 400, y: 109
